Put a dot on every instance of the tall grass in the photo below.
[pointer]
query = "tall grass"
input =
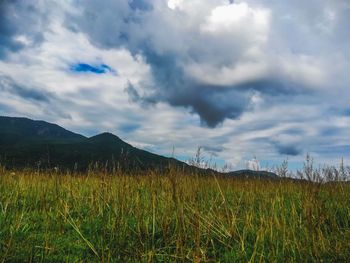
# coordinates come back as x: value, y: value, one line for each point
x: 51, y: 217
x: 312, y: 173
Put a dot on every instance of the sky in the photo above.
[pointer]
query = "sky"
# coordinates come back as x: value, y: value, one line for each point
x: 243, y: 80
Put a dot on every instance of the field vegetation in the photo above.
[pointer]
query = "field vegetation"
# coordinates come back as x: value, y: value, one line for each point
x: 173, y: 217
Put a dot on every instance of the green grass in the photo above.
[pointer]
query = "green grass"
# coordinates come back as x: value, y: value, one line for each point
x: 100, y: 218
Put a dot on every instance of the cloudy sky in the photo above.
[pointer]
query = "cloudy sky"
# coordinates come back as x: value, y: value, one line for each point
x: 239, y: 78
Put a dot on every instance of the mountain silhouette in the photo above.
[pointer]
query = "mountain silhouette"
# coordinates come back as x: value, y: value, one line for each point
x: 29, y: 143
x: 26, y: 143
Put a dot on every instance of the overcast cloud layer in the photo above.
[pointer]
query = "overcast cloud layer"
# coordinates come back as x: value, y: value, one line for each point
x: 239, y: 78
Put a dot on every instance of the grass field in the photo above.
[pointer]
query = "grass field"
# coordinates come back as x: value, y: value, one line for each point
x: 151, y: 218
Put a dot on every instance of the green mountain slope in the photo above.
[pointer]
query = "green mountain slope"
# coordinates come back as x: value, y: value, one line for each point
x: 26, y: 143
x: 23, y: 128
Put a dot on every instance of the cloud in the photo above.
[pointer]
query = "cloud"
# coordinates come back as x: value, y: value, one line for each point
x: 140, y: 5
x: 253, y: 164
x: 104, y: 22
x: 8, y: 85
x: 22, y: 24
x: 213, y: 150
x: 170, y: 62
x: 20, y: 99
x: 221, y: 51
x: 285, y: 149
x: 229, y: 18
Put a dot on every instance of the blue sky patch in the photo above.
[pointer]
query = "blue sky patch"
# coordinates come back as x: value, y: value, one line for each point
x: 97, y: 69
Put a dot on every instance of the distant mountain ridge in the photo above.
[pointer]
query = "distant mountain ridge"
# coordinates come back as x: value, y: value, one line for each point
x: 34, y: 129
x: 29, y: 143
x: 252, y: 174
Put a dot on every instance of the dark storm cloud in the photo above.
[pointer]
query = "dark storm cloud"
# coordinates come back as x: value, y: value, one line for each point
x: 7, y: 30
x: 131, y: 24
x: 274, y: 87
x: 288, y: 149
x: 212, y: 103
x: 20, y: 19
x: 103, y: 21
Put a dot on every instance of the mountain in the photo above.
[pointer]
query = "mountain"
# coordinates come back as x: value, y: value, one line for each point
x: 27, y: 143
x: 17, y: 129
x: 253, y: 174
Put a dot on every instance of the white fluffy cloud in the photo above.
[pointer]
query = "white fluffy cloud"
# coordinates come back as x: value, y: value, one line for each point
x: 238, y: 17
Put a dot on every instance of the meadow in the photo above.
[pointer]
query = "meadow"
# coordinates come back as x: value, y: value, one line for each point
x: 173, y: 217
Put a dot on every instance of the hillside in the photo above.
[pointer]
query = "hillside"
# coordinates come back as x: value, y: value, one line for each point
x: 26, y: 143
x: 23, y: 129
x: 252, y: 174
x: 29, y: 143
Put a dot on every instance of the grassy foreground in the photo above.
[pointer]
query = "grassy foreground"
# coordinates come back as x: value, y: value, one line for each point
x: 101, y: 218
